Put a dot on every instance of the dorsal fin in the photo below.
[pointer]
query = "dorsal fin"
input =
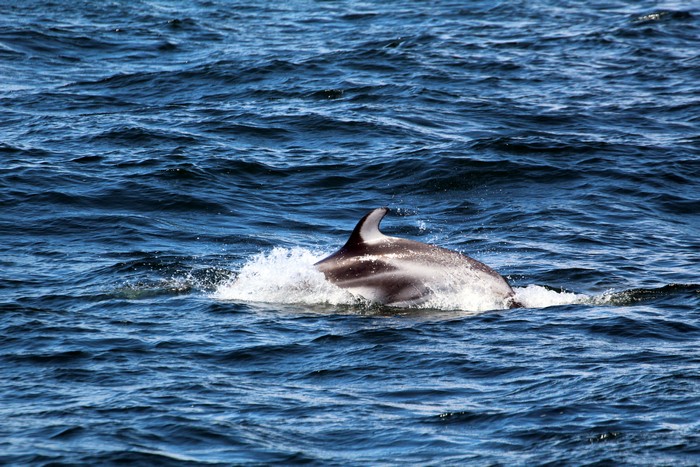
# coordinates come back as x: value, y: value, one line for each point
x: 367, y: 230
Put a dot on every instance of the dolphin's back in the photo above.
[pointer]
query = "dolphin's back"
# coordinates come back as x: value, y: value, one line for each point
x: 401, y: 272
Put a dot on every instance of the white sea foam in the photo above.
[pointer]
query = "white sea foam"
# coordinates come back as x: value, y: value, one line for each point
x: 283, y: 276
x: 536, y: 296
x: 288, y: 276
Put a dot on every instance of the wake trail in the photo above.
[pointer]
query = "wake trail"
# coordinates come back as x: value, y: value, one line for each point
x: 288, y: 276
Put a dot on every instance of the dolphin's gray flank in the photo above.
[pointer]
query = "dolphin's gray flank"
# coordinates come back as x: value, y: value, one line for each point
x: 400, y: 272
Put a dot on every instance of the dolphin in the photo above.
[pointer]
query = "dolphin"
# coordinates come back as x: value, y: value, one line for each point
x: 403, y: 273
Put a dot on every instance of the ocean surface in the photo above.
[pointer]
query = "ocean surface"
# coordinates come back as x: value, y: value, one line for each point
x: 171, y: 170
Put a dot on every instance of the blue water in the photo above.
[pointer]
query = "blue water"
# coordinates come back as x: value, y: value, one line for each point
x: 170, y: 171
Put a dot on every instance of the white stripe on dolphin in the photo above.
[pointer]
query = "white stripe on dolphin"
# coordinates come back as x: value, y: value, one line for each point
x: 399, y: 272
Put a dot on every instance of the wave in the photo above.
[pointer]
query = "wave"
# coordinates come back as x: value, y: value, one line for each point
x: 287, y: 276
x: 283, y: 276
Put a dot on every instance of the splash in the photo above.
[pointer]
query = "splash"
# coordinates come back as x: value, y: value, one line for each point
x: 283, y: 276
x: 537, y: 296
x: 287, y: 276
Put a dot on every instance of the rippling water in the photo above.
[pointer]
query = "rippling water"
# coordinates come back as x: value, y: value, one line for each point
x: 170, y: 171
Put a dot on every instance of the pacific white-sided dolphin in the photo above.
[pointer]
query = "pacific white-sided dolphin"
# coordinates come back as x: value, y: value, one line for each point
x: 399, y: 272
